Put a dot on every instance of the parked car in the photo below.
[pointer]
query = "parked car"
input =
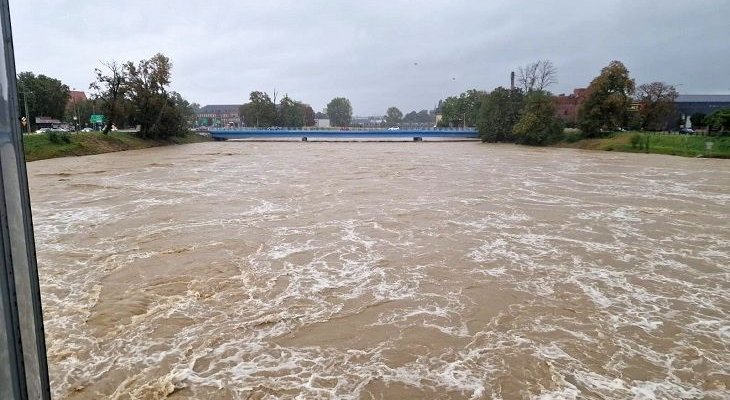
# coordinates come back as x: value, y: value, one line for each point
x: 87, y: 130
x: 393, y: 128
x: 42, y: 130
x: 687, y: 130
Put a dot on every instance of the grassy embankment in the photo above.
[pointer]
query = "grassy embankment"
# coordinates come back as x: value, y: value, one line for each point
x: 679, y: 145
x: 42, y: 146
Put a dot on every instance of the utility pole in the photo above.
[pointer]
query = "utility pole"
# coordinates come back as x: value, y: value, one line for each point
x: 25, y: 103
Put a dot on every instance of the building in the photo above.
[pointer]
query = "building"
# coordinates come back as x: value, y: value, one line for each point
x: 48, y: 122
x: 219, y: 115
x: 367, y: 122
x: 566, y: 107
x: 322, y: 122
x: 688, y: 104
x: 76, y: 96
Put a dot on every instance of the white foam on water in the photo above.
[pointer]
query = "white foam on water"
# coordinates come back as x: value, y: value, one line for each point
x: 603, y: 266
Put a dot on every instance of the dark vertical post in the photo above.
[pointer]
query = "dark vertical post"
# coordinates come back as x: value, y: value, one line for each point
x: 23, y: 364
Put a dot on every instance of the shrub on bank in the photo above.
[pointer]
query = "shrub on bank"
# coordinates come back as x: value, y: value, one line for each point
x: 58, y: 137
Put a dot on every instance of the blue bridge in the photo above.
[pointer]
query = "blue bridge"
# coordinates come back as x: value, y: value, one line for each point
x: 305, y: 134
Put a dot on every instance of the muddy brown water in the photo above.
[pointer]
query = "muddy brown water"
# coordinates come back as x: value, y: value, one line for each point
x: 384, y: 271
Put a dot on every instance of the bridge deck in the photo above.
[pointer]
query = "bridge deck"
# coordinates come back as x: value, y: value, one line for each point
x: 447, y: 133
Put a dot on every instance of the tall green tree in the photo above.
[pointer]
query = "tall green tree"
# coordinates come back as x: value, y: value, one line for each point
x: 45, y: 96
x: 291, y: 113
x: 393, y: 116
x: 538, y: 125
x: 451, y: 111
x: 339, y: 111
x: 657, y: 104
x: 146, y: 87
x: 462, y: 110
x: 498, y: 114
x: 259, y: 111
x: 609, y: 98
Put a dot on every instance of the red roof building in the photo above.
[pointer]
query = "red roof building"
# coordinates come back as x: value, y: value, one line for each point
x: 76, y: 96
x: 566, y: 107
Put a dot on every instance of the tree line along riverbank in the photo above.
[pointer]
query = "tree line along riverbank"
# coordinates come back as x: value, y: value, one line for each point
x: 52, y: 145
x: 56, y: 144
x: 654, y: 143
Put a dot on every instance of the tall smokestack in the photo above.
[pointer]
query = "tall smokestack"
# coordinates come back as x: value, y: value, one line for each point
x: 512, y: 80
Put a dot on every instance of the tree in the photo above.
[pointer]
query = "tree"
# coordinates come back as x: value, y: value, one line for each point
x: 45, y: 96
x: 291, y: 113
x: 462, y: 110
x: 308, y: 114
x: 187, y: 110
x: 146, y: 87
x: 339, y: 111
x: 607, y: 104
x: 393, y: 116
x: 109, y: 85
x: 537, y: 76
x: 538, y: 125
x: 499, y: 112
x: 698, y: 119
x: 657, y: 104
x: 719, y: 121
x: 259, y: 111
x: 410, y: 117
x: 451, y: 113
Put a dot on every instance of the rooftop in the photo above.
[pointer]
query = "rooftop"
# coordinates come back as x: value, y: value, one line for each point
x: 76, y: 96
x: 703, y: 98
x: 219, y: 108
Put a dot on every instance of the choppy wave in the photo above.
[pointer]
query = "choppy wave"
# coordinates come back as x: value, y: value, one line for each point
x: 384, y: 270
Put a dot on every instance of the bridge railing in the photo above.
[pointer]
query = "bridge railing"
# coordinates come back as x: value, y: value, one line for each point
x: 341, y: 129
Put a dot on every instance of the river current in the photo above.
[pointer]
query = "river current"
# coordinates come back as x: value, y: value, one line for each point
x: 384, y: 271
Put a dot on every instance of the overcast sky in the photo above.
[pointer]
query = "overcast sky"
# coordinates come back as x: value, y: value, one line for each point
x: 376, y: 53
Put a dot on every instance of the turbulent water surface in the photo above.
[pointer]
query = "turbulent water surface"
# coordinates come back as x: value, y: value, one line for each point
x: 385, y: 271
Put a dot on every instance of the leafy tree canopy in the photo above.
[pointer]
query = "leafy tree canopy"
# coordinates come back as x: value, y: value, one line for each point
x: 393, y: 116
x: 498, y: 114
x: 608, y: 100
x: 657, y: 104
x: 538, y: 125
x: 339, y: 111
x: 45, y: 96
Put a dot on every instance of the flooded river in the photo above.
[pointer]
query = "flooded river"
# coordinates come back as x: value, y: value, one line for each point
x: 384, y: 271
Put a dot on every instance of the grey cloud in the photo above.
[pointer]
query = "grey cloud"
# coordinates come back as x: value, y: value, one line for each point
x: 366, y: 50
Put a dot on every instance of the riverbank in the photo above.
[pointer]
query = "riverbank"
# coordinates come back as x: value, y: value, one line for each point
x: 678, y: 145
x: 44, y: 146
